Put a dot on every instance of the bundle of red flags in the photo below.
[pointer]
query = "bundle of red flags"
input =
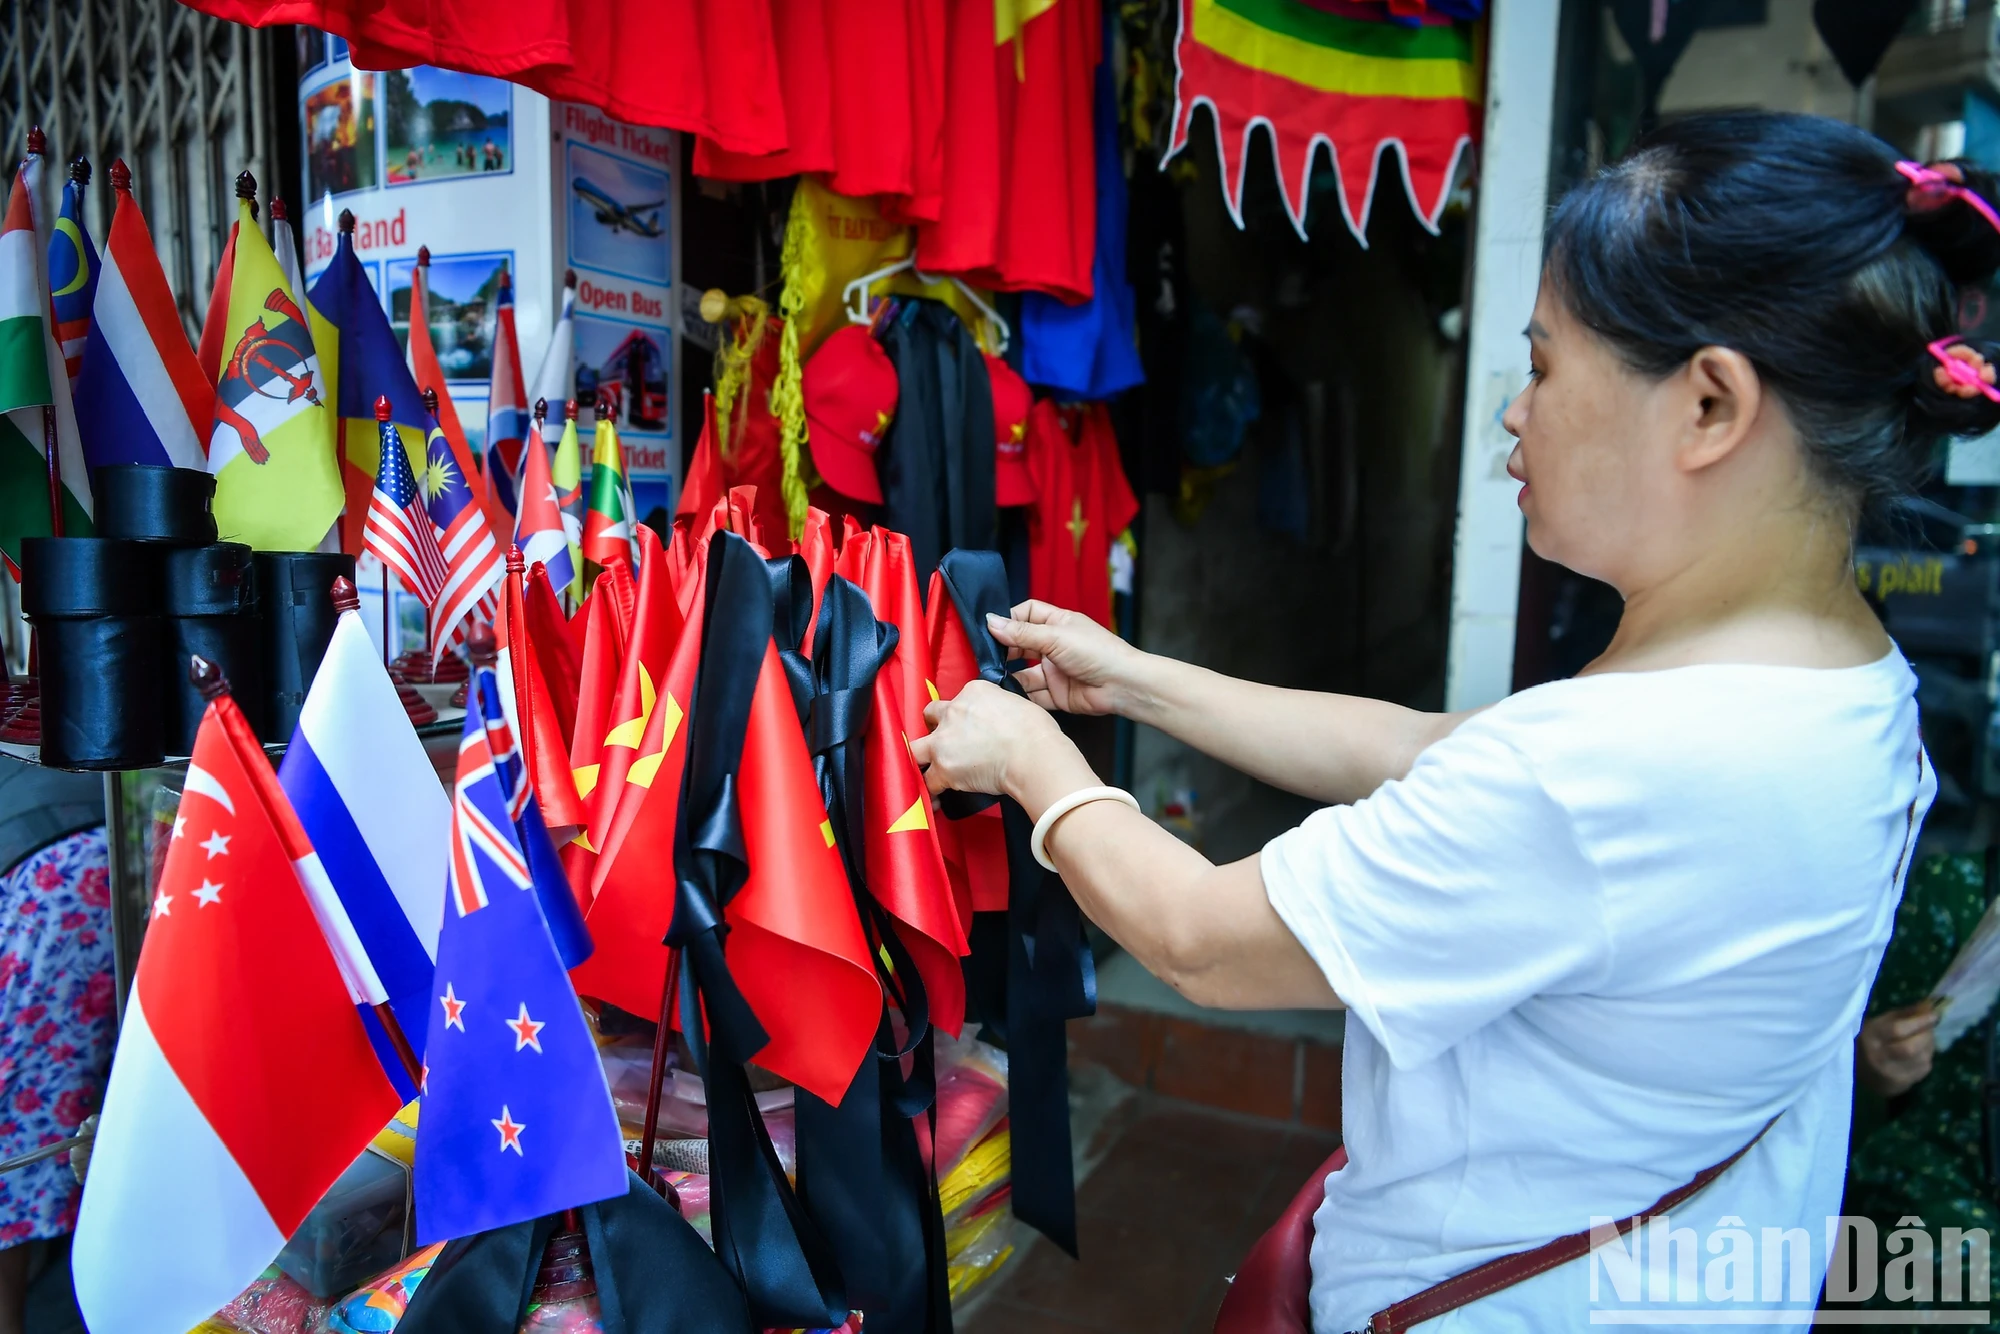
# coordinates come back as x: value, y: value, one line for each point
x: 603, y: 701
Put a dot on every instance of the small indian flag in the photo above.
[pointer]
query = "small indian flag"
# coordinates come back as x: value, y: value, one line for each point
x: 32, y: 379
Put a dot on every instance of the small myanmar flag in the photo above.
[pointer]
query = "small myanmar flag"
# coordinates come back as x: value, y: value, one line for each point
x: 607, y: 525
x: 566, y: 472
x: 32, y: 378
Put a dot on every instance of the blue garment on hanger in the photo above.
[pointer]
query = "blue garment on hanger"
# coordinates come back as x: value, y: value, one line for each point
x: 1090, y: 351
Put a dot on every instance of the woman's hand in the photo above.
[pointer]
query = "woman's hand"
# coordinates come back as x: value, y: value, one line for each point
x: 1896, y: 1049
x: 1084, y: 667
x: 991, y: 740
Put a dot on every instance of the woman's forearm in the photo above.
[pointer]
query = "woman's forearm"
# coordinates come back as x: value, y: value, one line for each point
x: 1208, y: 931
x: 1332, y: 748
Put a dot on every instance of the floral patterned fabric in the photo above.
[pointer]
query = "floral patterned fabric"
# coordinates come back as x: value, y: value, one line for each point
x: 1924, y: 1158
x: 56, y: 1022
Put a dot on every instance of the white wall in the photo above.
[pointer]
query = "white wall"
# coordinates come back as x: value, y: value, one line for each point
x: 1512, y: 202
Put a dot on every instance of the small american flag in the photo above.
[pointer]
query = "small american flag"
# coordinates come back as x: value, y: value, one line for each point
x: 398, y: 529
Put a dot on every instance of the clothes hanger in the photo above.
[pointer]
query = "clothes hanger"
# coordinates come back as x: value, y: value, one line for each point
x: 856, y: 297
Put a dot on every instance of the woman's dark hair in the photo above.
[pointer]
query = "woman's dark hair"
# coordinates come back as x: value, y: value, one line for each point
x: 1795, y: 241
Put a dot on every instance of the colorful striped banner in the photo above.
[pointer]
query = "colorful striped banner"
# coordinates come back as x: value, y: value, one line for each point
x: 1312, y: 75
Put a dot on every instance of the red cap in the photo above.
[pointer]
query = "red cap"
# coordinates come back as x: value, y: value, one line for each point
x: 1011, y: 401
x: 850, y: 393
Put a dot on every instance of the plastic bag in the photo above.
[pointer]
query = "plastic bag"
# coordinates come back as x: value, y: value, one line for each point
x: 971, y: 1096
x: 376, y: 1306
x: 984, y: 1170
x: 272, y: 1304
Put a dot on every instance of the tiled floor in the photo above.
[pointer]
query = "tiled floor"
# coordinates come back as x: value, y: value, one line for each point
x: 1167, y: 1215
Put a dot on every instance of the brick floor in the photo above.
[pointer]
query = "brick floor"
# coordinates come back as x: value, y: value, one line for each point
x: 1176, y: 1202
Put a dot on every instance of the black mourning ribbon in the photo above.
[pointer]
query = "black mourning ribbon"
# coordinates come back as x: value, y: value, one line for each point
x: 1030, y: 968
x: 653, y: 1274
x: 862, y: 1175
x: 763, y: 1236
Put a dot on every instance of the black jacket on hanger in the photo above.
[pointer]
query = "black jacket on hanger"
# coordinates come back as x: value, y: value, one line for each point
x: 936, y: 465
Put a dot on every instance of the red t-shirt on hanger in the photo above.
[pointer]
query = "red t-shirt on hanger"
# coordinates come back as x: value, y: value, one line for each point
x: 1082, y: 503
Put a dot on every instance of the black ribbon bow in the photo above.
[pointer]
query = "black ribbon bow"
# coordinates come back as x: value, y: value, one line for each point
x: 1030, y: 968
x: 763, y: 1235
x: 862, y: 1175
x: 653, y: 1275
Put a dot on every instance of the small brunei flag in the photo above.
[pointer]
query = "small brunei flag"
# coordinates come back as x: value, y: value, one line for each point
x: 277, y: 482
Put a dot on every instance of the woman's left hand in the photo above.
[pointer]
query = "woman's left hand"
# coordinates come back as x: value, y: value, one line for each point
x: 985, y: 740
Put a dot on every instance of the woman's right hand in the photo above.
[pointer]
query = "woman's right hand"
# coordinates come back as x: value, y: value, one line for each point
x: 1084, y: 668
x: 1896, y: 1048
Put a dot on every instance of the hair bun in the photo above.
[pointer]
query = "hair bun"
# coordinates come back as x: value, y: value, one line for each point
x: 1955, y: 232
x: 1939, y: 409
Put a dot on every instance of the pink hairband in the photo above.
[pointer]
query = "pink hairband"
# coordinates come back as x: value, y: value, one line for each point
x: 1932, y: 181
x: 1961, y: 370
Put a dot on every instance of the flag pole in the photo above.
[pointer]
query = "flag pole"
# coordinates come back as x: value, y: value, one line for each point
x: 50, y: 448
x: 38, y: 146
x: 662, y: 1040
x: 345, y: 599
x: 347, y: 534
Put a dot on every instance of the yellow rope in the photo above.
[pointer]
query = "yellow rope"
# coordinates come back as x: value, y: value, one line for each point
x: 735, y: 348
x: 788, y: 402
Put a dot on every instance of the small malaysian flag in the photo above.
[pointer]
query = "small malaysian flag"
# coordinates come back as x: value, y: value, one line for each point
x: 398, y: 529
x: 473, y: 561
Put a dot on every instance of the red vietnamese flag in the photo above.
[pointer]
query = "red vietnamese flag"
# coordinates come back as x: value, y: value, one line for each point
x: 596, y: 687
x: 905, y: 857
x: 975, y: 848
x: 795, y: 944
x: 890, y: 580
x: 656, y: 627
x: 816, y: 545
x: 206, y: 1159
x: 703, y: 487
x: 548, y: 631
x: 856, y: 543
x: 632, y: 890
x: 606, y: 630
x: 742, y: 505
x: 906, y: 870
x: 544, y: 752
x: 683, y: 561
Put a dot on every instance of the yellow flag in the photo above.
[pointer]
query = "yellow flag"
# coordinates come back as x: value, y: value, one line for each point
x: 277, y: 482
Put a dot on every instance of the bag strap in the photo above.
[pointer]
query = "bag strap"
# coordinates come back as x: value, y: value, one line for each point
x: 1508, y: 1270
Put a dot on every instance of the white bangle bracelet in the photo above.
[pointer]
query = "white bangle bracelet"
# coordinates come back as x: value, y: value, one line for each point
x: 1063, y: 806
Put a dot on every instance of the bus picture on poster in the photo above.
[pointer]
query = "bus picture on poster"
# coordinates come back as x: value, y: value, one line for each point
x: 339, y: 120
x: 617, y: 215
x: 628, y: 362
x: 440, y: 124
x: 463, y: 292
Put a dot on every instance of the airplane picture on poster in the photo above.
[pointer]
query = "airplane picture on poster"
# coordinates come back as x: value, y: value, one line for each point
x: 638, y: 219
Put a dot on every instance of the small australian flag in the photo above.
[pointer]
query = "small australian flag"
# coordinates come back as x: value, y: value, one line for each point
x: 517, y: 1120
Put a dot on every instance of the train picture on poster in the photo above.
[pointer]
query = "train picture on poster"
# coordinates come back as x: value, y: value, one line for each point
x: 442, y: 124
x: 627, y: 362
x: 339, y: 118
x: 463, y: 293
x: 617, y: 215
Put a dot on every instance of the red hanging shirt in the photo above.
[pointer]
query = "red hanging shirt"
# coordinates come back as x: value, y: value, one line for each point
x: 1082, y: 503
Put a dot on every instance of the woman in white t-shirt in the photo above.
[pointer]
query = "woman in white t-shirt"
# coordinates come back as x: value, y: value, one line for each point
x: 1595, y: 937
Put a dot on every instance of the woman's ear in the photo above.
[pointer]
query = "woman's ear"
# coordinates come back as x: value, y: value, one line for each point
x: 1724, y: 395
